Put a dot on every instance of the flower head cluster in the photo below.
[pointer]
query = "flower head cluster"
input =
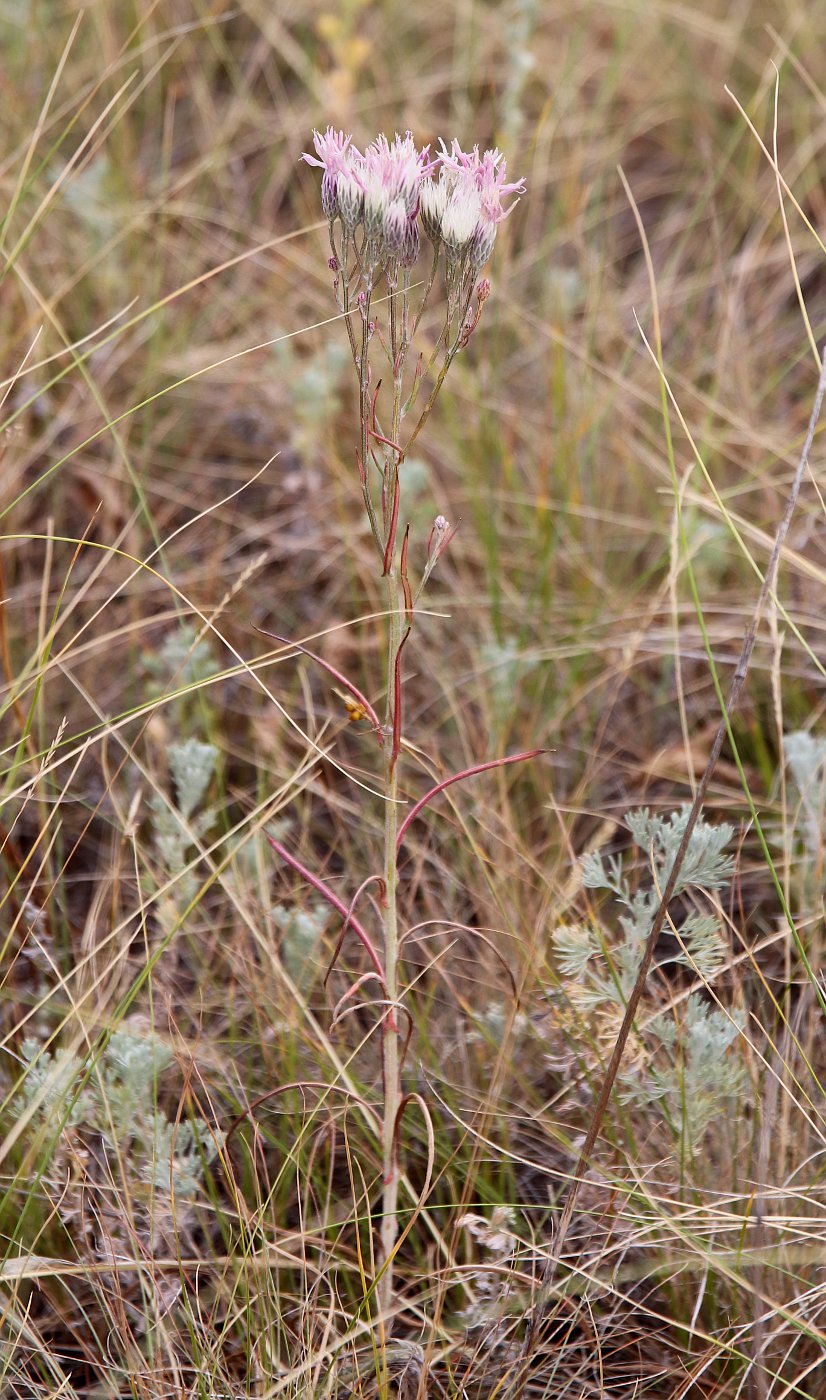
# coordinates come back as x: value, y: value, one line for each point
x: 378, y: 189
x: 393, y: 173
x: 458, y: 195
x: 470, y: 191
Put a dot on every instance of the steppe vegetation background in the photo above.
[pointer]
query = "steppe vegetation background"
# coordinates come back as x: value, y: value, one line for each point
x: 189, y: 1163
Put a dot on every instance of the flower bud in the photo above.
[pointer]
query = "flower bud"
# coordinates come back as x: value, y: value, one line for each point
x: 483, y: 241
x: 394, y: 227
x: 441, y: 533
x: 410, y: 250
x: 350, y: 199
x: 460, y: 219
x: 432, y: 200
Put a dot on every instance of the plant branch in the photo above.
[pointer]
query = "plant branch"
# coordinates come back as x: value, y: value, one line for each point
x: 332, y: 899
x: 357, y: 694
x: 457, y: 778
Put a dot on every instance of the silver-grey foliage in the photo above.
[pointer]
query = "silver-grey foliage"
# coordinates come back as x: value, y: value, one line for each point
x: 178, y: 825
x: 682, y: 1056
x: 108, y: 1113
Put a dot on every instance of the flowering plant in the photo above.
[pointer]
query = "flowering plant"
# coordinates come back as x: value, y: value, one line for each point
x: 378, y: 204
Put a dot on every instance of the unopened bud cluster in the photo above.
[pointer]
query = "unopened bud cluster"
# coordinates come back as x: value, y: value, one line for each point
x: 393, y: 189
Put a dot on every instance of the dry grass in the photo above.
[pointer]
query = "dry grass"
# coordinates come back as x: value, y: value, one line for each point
x: 177, y: 470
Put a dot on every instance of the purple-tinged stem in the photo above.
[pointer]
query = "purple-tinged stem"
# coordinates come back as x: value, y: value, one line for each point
x: 332, y: 899
x: 397, y: 703
x: 391, y: 529
x: 457, y: 778
x: 408, y: 596
x: 337, y: 675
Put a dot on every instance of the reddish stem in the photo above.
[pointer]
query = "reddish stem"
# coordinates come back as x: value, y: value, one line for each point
x: 408, y: 596
x: 391, y: 532
x: 332, y: 899
x: 397, y: 707
x: 347, y: 922
x: 284, y: 1089
x: 351, y: 992
x: 388, y: 442
x: 337, y: 675
x: 457, y: 778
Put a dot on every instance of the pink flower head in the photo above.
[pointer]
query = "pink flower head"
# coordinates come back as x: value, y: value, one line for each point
x: 487, y: 172
x: 331, y: 150
x: 341, y: 184
x: 475, y: 181
x: 493, y: 185
x: 393, y: 170
x: 461, y: 216
x: 432, y: 201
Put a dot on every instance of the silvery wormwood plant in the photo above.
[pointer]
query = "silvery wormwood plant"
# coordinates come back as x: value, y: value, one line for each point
x: 388, y: 208
x: 179, y: 821
x: 109, y: 1123
x: 686, y: 1068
